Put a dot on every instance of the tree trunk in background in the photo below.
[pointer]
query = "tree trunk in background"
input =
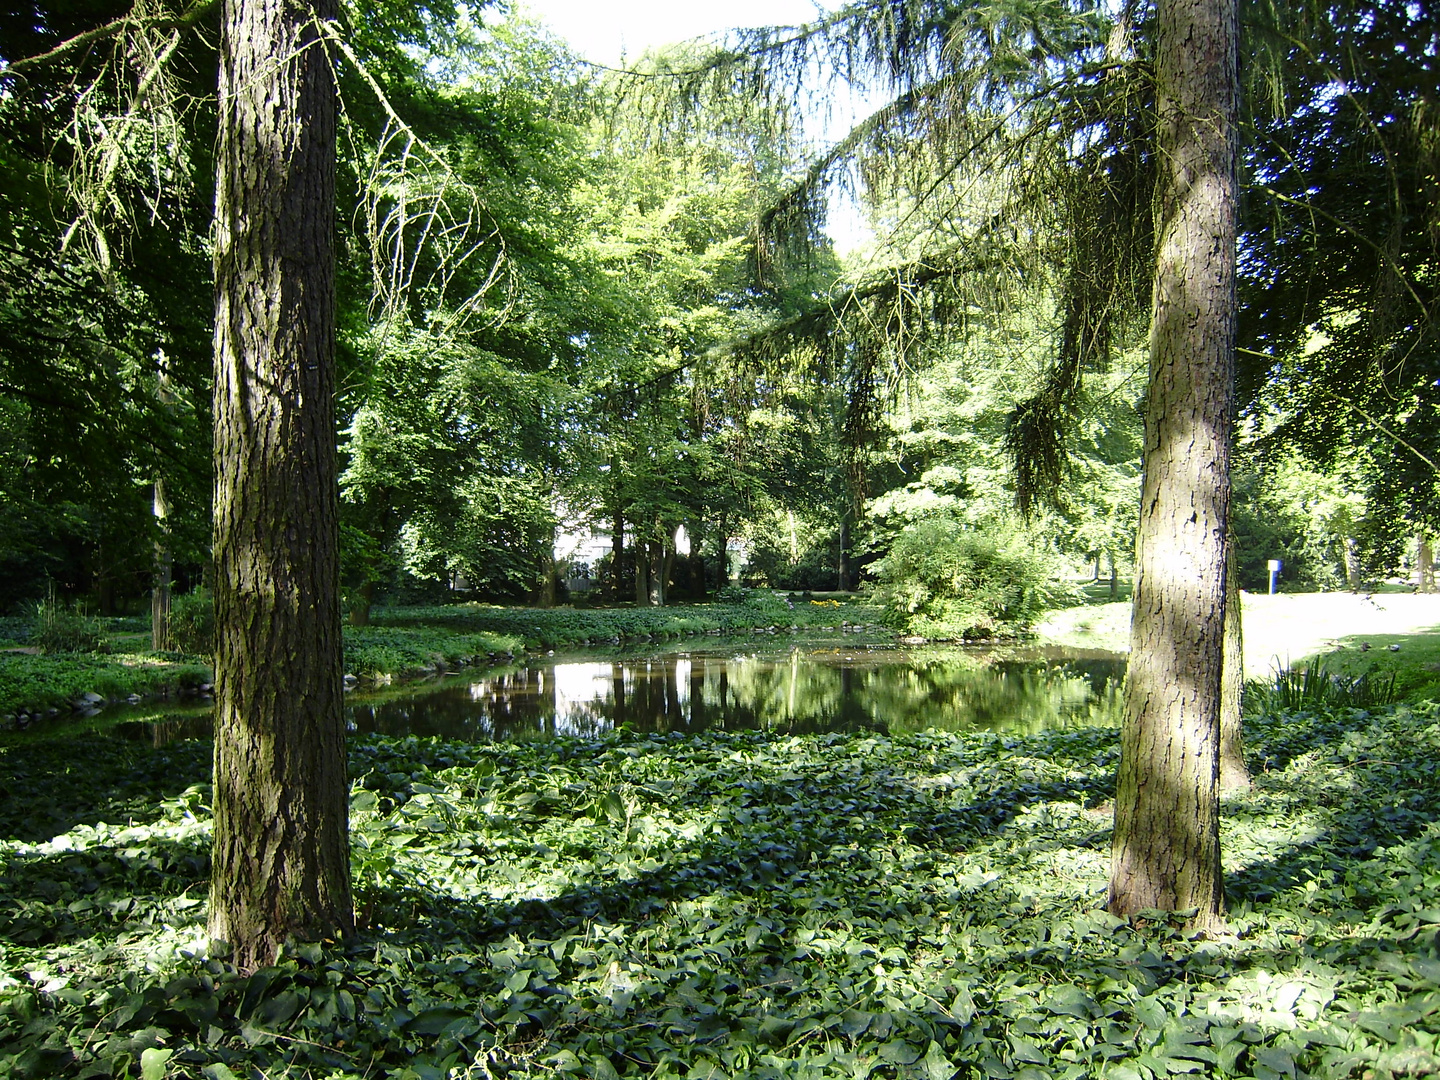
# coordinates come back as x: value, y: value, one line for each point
x: 1166, y: 847
x: 1424, y: 564
x: 281, y: 859
x: 722, y: 557
x: 658, y: 571
x: 842, y: 569
x: 160, y: 589
x: 1234, y: 773
x: 617, y: 556
x: 698, y: 591
x: 1114, y: 576
x: 641, y: 555
x: 360, y: 606
x: 1352, y: 564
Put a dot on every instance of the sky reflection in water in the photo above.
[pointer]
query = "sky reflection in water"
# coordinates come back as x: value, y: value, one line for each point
x: 809, y: 689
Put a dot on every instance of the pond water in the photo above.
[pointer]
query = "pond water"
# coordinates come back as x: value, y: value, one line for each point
x: 806, y: 688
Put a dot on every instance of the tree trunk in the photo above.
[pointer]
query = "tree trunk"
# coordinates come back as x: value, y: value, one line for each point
x: 1352, y: 564
x: 722, y: 556
x: 1166, y: 847
x: 697, y: 563
x: 617, y: 557
x: 641, y: 555
x: 1234, y: 773
x: 842, y: 569
x: 360, y: 606
x: 160, y: 589
x: 281, y: 860
x: 658, y: 571
x: 1424, y: 564
x: 1114, y: 577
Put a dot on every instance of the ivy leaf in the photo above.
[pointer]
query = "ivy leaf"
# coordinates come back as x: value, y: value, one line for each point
x: 937, y: 1065
x: 900, y: 1052
x: 153, y: 1062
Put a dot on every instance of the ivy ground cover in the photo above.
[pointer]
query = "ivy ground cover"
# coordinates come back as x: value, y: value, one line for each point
x: 736, y: 905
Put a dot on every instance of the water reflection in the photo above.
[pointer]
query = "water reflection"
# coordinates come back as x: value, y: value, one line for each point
x: 804, y: 691
x: 808, y: 689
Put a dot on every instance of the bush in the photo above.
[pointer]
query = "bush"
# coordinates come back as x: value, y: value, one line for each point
x: 944, y: 579
x: 192, y: 622
x: 62, y: 629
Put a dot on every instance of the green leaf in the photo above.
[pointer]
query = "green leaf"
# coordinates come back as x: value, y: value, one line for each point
x: 1070, y: 1001
x: 900, y: 1052
x: 153, y: 1062
x: 435, y: 1020
x: 937, y: 1065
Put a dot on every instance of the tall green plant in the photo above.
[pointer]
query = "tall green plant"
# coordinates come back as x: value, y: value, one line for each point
x: 61, y: 628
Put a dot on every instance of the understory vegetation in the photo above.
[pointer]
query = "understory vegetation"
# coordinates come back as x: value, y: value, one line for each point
x: 727, y: 904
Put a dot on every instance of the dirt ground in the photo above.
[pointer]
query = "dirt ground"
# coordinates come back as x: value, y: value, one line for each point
x: 1279, y: 630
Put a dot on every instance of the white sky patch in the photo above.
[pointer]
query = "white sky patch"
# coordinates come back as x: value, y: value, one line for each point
x: 607, y: 32
x: 617, y: 33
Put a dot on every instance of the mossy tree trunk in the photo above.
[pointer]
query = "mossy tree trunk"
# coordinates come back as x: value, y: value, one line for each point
x: 281, y: 867
x: 1166, y: 848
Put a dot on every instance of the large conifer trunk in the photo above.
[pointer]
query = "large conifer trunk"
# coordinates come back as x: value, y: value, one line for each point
x: 281, y: 851
x: 1166, y: 850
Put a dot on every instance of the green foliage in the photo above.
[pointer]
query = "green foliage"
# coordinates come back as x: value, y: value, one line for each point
x: 1302, y: 516
x: 762, y: 905
x: 945, y: 580
x: 373, y: 651
x: 192, y: 622
x: 550, y: 628
x: 1317, y: 686
x: 63, y: 628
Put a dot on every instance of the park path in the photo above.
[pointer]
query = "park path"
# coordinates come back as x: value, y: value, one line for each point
x: 1287, y: 627
x: 1280, y: 630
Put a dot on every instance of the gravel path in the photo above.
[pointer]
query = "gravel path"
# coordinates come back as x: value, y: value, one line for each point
x: 1279, y: 630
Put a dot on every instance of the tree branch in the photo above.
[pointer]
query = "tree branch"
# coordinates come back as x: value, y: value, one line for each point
x: 184, y: 21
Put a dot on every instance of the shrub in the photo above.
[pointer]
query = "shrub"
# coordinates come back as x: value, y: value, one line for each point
x: 59, y: 628
x: 948, y: 580
x: 192, y: 622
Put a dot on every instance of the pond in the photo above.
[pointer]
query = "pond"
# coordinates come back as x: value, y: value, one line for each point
x: 804, y: 688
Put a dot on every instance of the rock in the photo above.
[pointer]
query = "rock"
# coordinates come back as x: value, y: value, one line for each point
x: 91, y: 698
x: 1394, y: 648
x: 134, y: 699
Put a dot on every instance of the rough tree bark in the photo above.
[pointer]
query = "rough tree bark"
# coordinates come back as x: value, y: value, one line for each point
x: 1166, y: 848
x: 281, y: 866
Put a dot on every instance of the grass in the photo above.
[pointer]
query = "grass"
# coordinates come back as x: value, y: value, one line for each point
x: 44, y: 682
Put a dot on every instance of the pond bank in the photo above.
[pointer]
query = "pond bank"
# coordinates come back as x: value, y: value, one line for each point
x: 411, y: 642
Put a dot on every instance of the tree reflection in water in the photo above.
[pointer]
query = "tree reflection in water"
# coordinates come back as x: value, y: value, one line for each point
x: 808, y: 689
